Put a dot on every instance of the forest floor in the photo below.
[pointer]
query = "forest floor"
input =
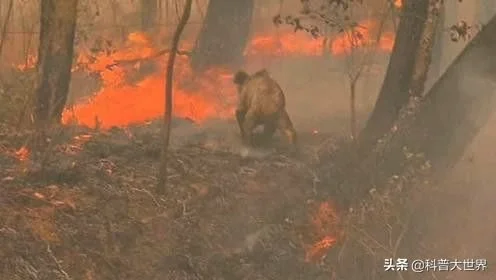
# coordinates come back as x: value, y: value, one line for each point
x: 87, y: 209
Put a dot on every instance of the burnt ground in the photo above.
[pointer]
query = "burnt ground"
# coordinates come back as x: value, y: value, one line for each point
x: 86, y: 209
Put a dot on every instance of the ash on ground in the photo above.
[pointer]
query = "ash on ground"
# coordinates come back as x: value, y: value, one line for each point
x: 91, y: 212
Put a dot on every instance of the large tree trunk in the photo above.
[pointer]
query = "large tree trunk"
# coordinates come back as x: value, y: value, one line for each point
x: 452, y: 113
x: 224, y: 35
x: 57, y: 30
x: 459, y: 104
x: 149, y: 10
x: 394, y: 92
x: 440, y: 125
x: 485, y: 10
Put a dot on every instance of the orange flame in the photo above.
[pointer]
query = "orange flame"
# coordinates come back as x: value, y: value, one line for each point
x: 284, y: 44
x: 22, y: 154
x: 30, y: 63
x: 300, y: 43
x: 198, y: 98
x: 325, y: 224
x: 361, y: 37
x: 121, y: 104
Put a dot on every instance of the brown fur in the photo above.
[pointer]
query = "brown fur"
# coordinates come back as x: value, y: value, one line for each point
x: 262, y: 102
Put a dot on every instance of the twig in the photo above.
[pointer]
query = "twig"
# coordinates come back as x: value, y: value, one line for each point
x: 149, y: 194
x: 371, y: 238
x: 162, y: 175
x: 397, y: 245
x: 57, y: 262
x: 159, y: 53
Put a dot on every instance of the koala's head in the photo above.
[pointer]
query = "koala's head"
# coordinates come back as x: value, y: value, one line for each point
x: 240, y: 78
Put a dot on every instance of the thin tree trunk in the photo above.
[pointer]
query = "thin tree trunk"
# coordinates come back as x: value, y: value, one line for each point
x: 149, y: 10
x: 353, y: 125
x: 424, y: 54
x: 162, y: 176
x: 57, y: 30
x: 394, y: 92
x: 5, y: 26
x: 224, y: 34
x: 437, y: 51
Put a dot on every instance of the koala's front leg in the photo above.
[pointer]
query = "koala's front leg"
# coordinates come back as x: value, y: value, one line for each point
x: 247, y: 127
x: 240, y: 118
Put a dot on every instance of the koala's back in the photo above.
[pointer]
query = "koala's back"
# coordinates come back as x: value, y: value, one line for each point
x: 262, y: 95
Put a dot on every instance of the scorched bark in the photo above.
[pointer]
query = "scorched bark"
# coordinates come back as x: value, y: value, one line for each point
x: 224, y: 34
x: 394, y: 92
x: 57, y: 29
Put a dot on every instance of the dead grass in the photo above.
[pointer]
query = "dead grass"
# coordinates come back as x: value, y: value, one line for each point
x: 92, y: 213
x: 16, y: 89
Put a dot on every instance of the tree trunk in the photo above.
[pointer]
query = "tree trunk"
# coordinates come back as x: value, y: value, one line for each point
x: 437, y: 51
x: 394, y: 92
x: 57, y: 29
x: 485, y: 10
x: 459, y: 104
x: 5, y: 26
x: 149, y: 10
x: 452, y: 113
x: 224, y: 34
x: 353, y: 125
x: 162, y: 176
x: 424, y: 53
x: 440, y: 125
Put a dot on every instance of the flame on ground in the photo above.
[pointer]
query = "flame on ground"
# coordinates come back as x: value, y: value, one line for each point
x: 119, y: 104
x: 199, y: 98
x: 299, y: 43
x: 22, y: 154
x: 325, y: 226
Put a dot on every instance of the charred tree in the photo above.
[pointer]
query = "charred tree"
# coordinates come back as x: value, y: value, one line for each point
x: 439, y: 126
x: 394, y: 93
x: 485, y: 10
x: 458, y: 105
x: 224, y: 34
x: 437, y: 51
x: 424, y: 53
x: 5, y: 26
x: 149, y: 9
x: 162, y: 176
x: 55, y: 52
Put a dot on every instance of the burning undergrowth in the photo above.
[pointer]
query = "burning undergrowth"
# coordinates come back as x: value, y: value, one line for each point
x: 86, y: 208
x: 90, y: 211
x: 130, y: 77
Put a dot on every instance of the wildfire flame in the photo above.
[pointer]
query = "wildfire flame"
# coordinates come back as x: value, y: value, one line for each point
x: 300, y: 44
x: 325, y: 226
x: 361, y: 37
x: 197, y: 97
x: 119, y: 104
x: 22, y: 154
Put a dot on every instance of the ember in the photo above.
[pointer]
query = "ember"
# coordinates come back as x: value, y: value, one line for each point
x: 325, y: 226
x: 22, y: 154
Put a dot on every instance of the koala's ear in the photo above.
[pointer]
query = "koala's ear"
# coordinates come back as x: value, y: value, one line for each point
x: 240, y: 77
